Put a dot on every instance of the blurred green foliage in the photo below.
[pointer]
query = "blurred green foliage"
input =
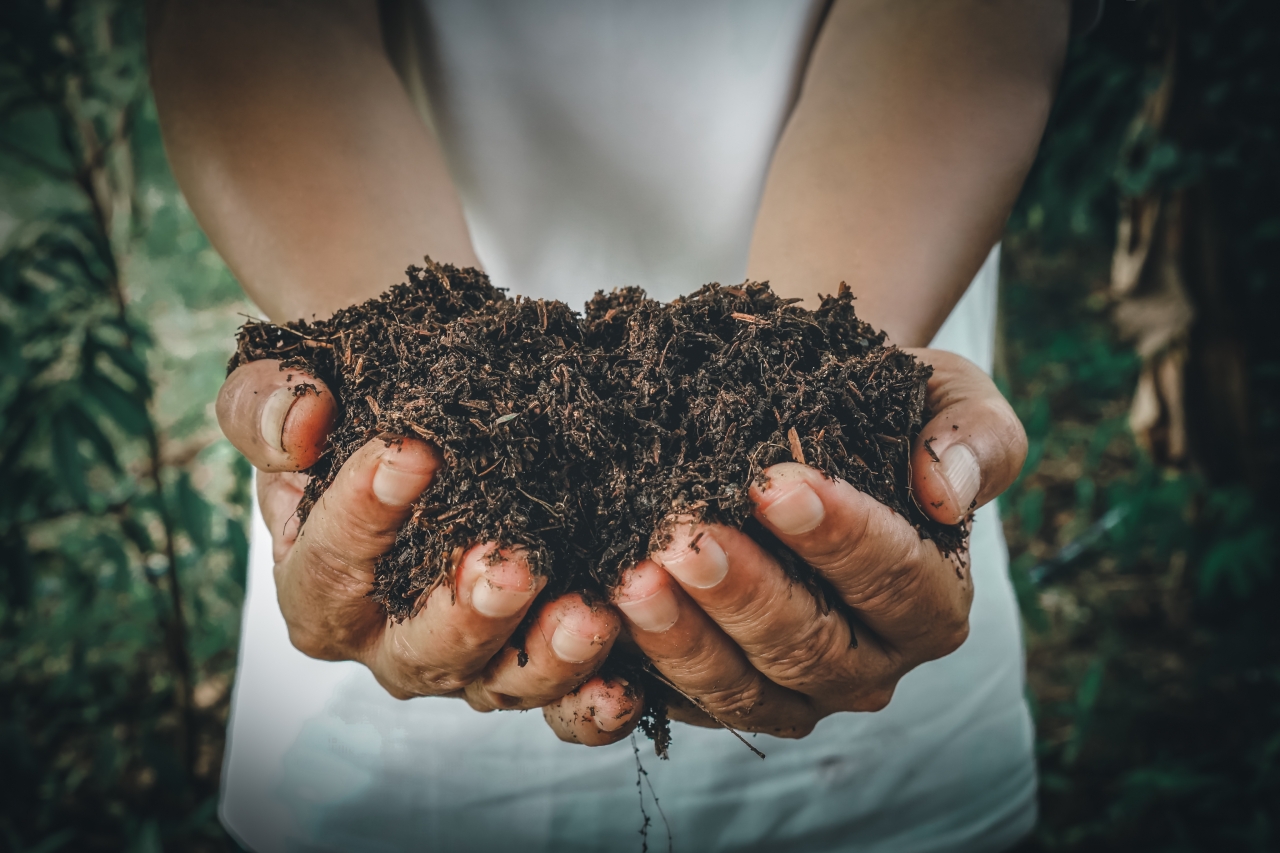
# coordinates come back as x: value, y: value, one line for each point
x: 1148, y: 593
x: 1154, y: 663
x: 123, y: 517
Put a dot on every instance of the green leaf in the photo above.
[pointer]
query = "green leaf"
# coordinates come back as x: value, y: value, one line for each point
x: 127, y: 410
x: 137, y: 534
x: 1086, y: 699
x: 148, y: 839
x: 68, y: 463
x: 129, y: 362
x: 238, y: 544
x: 91, y: 432
x: 193, y: 512
x: 1240, y: 562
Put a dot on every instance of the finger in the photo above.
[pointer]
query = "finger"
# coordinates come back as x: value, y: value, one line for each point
x: 785, y: 632
x: 600, y: 712
x: 972, y: 449
x: 278, y: 498
x: 278, y: 418
x: 567, y: 642
x: 681, y: 710
x: 700, y: 661
x: 909, y: 594
x: 324, y: 581
x: 460, y: 627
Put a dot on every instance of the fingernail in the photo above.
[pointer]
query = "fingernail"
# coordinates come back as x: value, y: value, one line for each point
x: 959, y: 467
x: 572, y: 647
x: 698, y: 562
x: 498, y: 601
x: 613, y: 722
x: 274, y: 413
x: 653, y: 613
x: 797, y: 511
x: 396, y: 487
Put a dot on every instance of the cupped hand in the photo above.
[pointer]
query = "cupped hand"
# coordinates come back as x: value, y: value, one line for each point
x: 458, y: 641
x: 742, y: 645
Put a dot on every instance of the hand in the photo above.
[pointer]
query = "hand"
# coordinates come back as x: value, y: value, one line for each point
x: 743, y: 645
x: 456, y: 644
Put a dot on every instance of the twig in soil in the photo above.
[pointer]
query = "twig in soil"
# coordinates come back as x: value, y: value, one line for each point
x: 703, y: 708
x: 548, y: 507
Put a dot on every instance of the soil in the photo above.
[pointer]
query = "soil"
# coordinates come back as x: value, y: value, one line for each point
x: 576, y: 435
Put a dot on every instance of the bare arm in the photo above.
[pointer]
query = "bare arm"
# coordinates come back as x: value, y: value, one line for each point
x: 299, y: 151
x: 313, y: 176
x: 915, y: 127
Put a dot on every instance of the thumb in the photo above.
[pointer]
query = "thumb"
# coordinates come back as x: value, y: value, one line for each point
x: 280, y: 419
x: 972, y: 449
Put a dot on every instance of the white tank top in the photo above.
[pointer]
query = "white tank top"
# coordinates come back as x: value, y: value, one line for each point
x: 596, y: 144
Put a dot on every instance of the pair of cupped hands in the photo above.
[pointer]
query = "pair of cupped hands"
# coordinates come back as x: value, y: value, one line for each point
x: 741, y: 644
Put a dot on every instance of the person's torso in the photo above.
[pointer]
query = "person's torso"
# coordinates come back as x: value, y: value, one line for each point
x: 595, y: 145
x: 603, y: 144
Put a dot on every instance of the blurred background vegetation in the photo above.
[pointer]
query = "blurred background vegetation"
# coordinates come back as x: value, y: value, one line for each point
x: 123, y: 514
x: 1138, y: 317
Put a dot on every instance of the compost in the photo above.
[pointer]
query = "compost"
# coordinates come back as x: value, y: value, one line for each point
x: 576, y: 435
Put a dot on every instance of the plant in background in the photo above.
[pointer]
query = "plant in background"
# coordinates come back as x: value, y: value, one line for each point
x: 122, y: 527
x: 1143, y: 527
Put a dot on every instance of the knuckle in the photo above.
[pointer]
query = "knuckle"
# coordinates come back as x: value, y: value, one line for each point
x: 540, y: 695
x: 427, y: 677
x: 873, y: 700
x: 315, y: 644
x: 1008, y: 434
x: 1006, y: 420
x: 484, y: 700
x: 1018, y: 442
x: 466, y: 649
x: 408, y: 684
x: 507, y: 702
x: 951, y: 638
x: 359, y: 526
x: 322, y: 627
x: 840, y: 550
x: 318, y: 638
x: 816, y: 657
x: 737, y: 702
x: 438, y: 683
x: 399, y: 693
x: 890, y: 588
x: 394, y: 688
x: 322, y: 576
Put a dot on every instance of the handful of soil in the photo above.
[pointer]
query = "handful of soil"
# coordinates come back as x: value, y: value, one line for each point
x: 575, y: 436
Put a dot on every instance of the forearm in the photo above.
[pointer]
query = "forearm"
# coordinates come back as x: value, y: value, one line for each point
x: 914, y: 130
x: 299, y: 151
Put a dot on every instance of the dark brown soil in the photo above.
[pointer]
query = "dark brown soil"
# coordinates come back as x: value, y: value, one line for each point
x: 575, y: 436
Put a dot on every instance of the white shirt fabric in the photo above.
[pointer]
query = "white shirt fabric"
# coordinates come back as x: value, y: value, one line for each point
x: 600, y: 144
